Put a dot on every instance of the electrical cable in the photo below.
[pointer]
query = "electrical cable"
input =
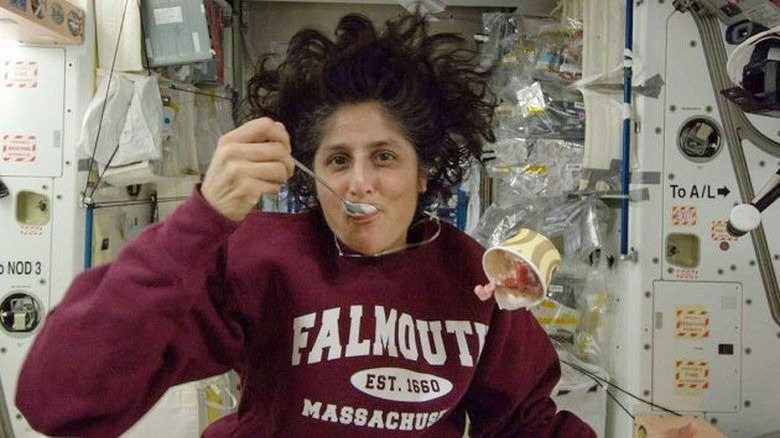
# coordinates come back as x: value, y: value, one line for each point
x: 88, y: 198
x: 609, y: 393
x: 101, y: 174
x: 595, y: 377
x: 201, y: 93
x: 135, y: 202
x: 103, y: 108
x: 622, y: 406
x: 102, y: 112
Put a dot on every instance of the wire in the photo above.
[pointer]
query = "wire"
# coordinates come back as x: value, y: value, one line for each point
x: 103, y: 109
x: 215, y: 96
x: 593, y: 376
x: 612, y: 396
x: 134, y: 202
x: 105, y: 102
x: 101, y: 174
x: 606, y: 389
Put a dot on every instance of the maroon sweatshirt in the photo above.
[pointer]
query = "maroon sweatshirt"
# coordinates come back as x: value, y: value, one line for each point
x: 325, y: 345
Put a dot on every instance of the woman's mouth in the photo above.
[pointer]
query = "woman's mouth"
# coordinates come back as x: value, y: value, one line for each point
x: 364, y: 219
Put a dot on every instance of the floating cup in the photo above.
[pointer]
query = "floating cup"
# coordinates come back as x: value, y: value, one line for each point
x: 500, y: 263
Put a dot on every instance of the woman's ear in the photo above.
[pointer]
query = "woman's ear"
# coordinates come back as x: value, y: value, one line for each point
x: 422, y: 180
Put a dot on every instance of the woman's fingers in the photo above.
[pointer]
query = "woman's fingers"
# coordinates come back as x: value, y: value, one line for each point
x: 250, y: 161
x: 259, y: 130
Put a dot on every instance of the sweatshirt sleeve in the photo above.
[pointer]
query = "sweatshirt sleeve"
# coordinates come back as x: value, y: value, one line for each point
x: 124, y: 333
x: 510, y: 395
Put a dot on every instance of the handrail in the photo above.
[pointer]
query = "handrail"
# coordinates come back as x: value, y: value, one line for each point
x: 736, y: 127
x: 628, y: 59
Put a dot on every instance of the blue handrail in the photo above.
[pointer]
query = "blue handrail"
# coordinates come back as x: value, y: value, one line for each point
x: 88, y: 225
x: 628, y: 58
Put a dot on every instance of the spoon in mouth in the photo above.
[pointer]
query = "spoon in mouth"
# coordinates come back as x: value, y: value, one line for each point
x: 354, y: 209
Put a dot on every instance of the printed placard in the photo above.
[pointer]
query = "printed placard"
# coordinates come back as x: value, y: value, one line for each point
x: 684, y: 215
x: 20, y: 74
x: 686, y: 273
x: 691, y: 377
x: 31, y: 230
x: 718, y: 232
x: 19, y: 148
x: 692, y: 322
x: 168, y: 15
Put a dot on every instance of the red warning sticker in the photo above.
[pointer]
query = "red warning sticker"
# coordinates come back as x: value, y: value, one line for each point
x: 684, y: 215
x: 691, y: 377
x: 19, y: 148
x: 20, y: 74
x: 692, y: 322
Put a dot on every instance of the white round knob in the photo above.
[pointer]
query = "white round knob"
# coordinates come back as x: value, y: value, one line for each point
x: 745, y: 217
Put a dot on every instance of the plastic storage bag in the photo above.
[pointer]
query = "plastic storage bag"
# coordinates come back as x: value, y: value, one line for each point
x: 180, y: 155
x: 141, y: 138
x: 581, y: 393
x: 106, y: 114
x: 551, y: 168
x: 214, y: 118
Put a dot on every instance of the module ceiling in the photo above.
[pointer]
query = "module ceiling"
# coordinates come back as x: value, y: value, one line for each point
x: 523, y: 6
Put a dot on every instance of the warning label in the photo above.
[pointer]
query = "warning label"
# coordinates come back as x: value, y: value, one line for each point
x: 20, y: 74
x: 19, y: 148
x: 31, y: 230
x: 683, y: 215
x: 692, y: 322
x: 686, y: 273
x: 718, y: 232
x: 691, y: 377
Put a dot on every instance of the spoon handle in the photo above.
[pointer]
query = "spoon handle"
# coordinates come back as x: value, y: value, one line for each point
x: 314, y: 175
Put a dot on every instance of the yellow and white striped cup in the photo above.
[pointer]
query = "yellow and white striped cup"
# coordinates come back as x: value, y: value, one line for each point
x: 537, y: 251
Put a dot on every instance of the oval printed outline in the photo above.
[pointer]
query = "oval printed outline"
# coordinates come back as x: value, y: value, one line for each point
x: 398, y: 384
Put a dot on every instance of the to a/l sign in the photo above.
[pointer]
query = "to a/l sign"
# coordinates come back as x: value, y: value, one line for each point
x: 698, y: 191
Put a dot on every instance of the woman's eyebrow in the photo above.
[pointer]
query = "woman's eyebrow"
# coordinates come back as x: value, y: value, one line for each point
x: 339, y: 147
x: 334, y: 147
x: 385, y: 143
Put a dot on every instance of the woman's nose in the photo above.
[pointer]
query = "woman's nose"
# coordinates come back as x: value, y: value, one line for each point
x: 360, y: 180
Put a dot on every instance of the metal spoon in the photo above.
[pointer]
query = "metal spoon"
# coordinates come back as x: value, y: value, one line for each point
x: 354, y: 209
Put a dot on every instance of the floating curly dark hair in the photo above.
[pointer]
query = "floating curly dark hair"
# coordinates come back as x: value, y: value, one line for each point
x: 427, y: 83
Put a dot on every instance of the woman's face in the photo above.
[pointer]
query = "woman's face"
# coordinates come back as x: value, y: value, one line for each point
x: 364, y: 156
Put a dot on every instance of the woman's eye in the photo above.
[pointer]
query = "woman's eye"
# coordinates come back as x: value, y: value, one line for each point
x: 338, y: 160
x: 386, y: 156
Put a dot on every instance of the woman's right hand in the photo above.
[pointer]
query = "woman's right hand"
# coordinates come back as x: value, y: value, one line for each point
x: 249, y: 161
